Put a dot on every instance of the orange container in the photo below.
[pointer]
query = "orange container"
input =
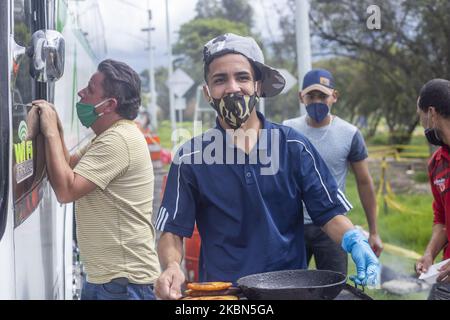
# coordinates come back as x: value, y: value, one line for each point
x: 155, y: 155
x: 192, y: 256
x: 154, y: 146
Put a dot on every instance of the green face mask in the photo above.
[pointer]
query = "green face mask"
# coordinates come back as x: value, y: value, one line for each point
x: 86, y: 113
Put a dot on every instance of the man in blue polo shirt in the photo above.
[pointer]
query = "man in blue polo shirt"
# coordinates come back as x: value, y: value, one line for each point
x: 244, y: 181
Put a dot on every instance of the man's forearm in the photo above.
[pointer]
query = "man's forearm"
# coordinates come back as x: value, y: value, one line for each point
x: 64, y: 148
x: 60, y: 174
x: 369, y: 203
x: 337, y: 227
x: 73, y: 159
x: 437, y: 242
x: 170, y: 249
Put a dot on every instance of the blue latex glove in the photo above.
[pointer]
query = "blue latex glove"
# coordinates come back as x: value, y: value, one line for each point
x: 367, y: 264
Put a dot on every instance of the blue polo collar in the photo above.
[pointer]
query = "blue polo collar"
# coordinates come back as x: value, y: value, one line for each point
x: 263, y: 139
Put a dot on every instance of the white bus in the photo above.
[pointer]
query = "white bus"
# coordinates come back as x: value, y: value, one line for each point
x: 36, y: 232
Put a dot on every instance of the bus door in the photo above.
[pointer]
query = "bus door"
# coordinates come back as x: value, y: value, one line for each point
x: 34, y: 222
x: 4, y: 119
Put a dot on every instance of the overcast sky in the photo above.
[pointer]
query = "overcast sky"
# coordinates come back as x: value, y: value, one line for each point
x: 124, y: 19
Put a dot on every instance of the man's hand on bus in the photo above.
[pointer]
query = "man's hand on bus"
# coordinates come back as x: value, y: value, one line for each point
x: 60, y: 126
x: 49, y: 121
x: 33, y: 123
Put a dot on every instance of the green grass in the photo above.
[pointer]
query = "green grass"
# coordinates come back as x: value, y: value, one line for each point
x: 419, y: 140
x: 382, y: 139
x: 378, y: 140
x: 421, y: 177
x: 165, y: 132
x: 410, y: 230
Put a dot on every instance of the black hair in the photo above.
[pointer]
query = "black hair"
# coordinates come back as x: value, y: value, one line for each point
x: 221, y: 54
x: 124, y: 84
x: 436, y: 93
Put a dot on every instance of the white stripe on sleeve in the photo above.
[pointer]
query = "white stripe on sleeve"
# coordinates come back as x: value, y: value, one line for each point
x: 164, y: 213
x: 178, y: 182
x: 315, y: 168
x: 159, y: 216
x: 344, y: 198
x: 164, y: 221
x: 347, y: 208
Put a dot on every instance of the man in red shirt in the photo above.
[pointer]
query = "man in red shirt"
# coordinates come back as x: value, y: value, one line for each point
x: 433, y: 108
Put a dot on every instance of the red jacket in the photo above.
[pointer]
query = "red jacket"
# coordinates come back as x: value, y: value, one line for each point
x: 439, y: 173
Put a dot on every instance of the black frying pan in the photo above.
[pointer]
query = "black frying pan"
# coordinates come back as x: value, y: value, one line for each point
x: 293, y: 285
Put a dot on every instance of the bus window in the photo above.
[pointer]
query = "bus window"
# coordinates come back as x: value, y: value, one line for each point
x: 28, y: 169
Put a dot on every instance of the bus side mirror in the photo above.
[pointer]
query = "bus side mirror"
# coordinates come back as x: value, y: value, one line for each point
x: 47, y: 55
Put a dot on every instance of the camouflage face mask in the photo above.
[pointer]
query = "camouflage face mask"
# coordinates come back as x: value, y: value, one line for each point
x: 235, y: 109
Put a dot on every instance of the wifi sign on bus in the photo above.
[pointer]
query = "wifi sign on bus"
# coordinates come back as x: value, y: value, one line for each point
x: 23, y: 152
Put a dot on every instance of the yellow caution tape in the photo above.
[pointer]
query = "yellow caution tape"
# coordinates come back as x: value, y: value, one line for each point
x: 393, y: 249
x: 410, y: 147
x: 399, y: 251
x: 399, y: 151
x: 389, y: 190
x: 386, y: 195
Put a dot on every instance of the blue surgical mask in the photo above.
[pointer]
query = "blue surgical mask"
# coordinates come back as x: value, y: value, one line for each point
x: 318, y: 111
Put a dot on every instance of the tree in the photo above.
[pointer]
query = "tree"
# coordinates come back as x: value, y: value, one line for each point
x: 194, y: 35
x: 357, y: 94
x: 208, y: 9
x: 161, y: 76
x: 233, y: 10
x: 412, y: 47
x: 238, y: 11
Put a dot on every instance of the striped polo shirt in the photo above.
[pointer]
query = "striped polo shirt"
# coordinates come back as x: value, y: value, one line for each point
x: 114, y: 229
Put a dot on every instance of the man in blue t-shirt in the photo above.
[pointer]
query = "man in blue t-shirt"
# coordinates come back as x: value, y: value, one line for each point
x: 243, y: 183
x: 340, y: 144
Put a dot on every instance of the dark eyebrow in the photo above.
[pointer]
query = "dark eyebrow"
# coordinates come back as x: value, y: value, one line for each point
x: 224, y: 75
x: 218, y: 75
x: 243, y: 73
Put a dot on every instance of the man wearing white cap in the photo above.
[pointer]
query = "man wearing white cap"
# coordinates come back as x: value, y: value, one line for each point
x: 249, y: 218
x: 340, y: 144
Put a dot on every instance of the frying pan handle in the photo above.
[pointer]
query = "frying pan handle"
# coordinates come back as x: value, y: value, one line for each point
x: 356, y: 287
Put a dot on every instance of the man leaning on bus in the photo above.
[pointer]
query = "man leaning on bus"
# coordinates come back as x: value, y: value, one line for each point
x: 107, y: 179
